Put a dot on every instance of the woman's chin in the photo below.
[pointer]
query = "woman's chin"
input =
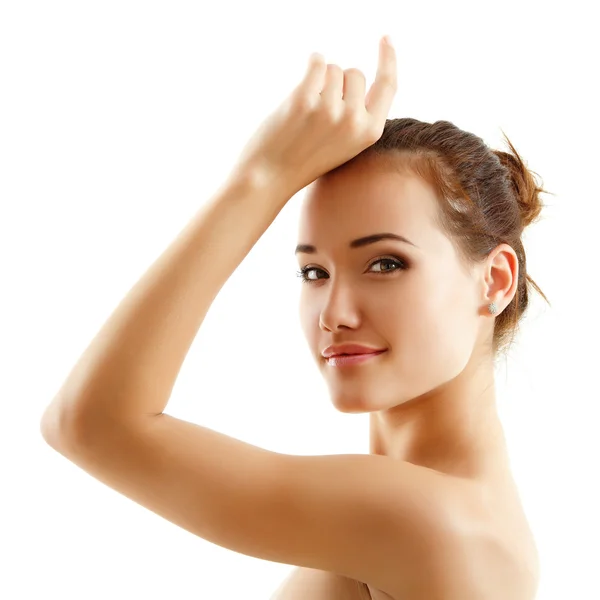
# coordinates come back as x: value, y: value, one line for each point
x: 351, y: 404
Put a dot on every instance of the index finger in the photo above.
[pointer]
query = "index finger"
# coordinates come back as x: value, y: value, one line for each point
x: 312, y: 83
x: 382, y: 92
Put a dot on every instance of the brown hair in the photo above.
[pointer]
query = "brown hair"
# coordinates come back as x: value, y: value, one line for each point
x: 487, y: 197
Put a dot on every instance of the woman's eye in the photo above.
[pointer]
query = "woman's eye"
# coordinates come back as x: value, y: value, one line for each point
x: 303, y: 274
x: 396, y: 263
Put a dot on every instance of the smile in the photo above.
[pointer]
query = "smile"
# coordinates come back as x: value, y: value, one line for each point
x: 346, y: 360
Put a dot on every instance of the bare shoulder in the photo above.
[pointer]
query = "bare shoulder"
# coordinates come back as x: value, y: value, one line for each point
x: 489, y: 556
x: 390, y: 524
x: 496, y: 554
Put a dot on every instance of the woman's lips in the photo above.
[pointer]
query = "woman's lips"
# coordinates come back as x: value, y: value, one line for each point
x: 342, y: 360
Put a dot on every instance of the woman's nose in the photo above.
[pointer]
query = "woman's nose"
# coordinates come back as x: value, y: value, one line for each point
x: 339, y: 313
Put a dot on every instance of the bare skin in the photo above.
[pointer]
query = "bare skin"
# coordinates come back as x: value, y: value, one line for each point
x: 431, y: 395
x: 447, y: 525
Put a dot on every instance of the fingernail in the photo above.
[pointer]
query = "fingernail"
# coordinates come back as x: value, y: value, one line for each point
x: 388, y: 40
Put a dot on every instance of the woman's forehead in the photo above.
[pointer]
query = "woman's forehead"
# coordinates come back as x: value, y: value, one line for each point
x: 354, y: 202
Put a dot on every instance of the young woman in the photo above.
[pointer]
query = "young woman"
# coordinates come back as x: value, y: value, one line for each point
x: 409, y: 245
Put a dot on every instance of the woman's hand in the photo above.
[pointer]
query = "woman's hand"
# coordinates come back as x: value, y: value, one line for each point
x: 324, y: 123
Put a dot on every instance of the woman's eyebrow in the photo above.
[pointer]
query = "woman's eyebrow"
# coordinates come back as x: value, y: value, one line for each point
x: 363, y: 241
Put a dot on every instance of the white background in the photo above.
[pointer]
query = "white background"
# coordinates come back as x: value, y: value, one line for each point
x: 118, y: 119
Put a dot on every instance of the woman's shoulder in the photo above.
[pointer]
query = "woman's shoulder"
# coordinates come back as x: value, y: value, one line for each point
x: 502, y: 542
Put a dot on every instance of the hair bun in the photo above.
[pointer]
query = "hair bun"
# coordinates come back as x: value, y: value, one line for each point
x: 524, y: 182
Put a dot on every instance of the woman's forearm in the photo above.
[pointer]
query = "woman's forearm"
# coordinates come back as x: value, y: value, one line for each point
x: 130, y: 367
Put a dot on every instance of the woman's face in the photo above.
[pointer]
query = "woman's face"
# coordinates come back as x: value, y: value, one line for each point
x: 416, y: 301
